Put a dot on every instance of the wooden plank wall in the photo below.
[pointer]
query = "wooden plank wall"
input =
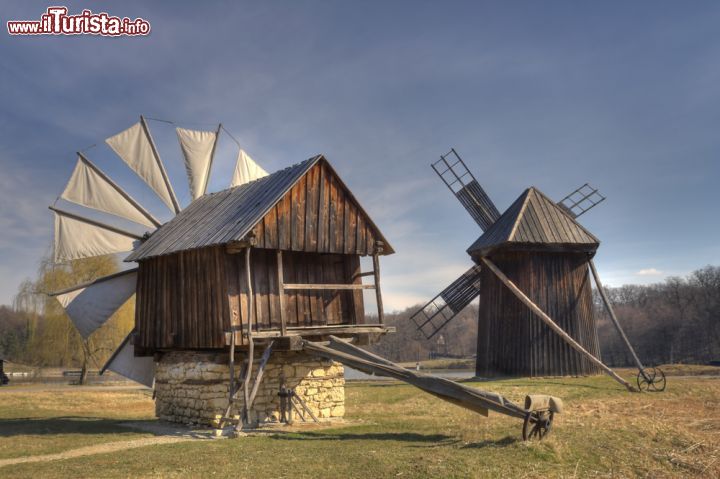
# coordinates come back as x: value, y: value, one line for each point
x: 316, y: 215
x: 512, y: 341
x: 188, y: 300
x: 182, y: 301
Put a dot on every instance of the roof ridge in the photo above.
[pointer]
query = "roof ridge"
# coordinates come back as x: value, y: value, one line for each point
x: 520, y: 213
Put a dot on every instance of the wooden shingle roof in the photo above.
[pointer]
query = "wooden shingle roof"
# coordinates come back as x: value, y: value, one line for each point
x: 534, y: 220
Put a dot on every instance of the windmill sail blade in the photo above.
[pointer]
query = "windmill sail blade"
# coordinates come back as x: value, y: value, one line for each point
x: 90, y: 305
x: 126, y: 364
x: 581, y: 200
x: 77, y: 237
x: 136, y: 148
x: 452, y: 170
x: 198, y: 148
x: 90, y: 187
x: 246, y: 170
x: 440, y: 310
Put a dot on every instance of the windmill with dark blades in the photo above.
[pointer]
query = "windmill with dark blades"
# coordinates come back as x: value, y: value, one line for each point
x: 532, y: 269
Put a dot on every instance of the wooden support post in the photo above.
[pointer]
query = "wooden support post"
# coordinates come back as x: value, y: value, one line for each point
x: 234, y: 392
x: 376, y: 273
x: 231, y: 367
x: 614, y: 319
x: 251, y: 343
x: 260, y: 372
x: 547, y: 320
x: 281, y: 293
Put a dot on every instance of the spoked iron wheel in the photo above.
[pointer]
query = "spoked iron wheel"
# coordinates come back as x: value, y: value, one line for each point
x: 651, y: 379
x: 537, y: 425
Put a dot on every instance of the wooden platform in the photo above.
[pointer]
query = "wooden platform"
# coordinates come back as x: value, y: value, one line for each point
x: 365, y: 333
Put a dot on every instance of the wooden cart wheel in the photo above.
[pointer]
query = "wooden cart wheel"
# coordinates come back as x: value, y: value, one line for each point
x: 651, y: 379
x: 537, y: 425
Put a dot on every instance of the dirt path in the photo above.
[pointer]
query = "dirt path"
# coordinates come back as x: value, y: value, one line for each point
x: 97, y: 449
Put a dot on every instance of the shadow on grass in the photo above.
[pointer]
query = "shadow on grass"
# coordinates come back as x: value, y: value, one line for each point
x: 505, y: 441
x: 62, y: 425
x: 380, y: 436
x: 421, y: 440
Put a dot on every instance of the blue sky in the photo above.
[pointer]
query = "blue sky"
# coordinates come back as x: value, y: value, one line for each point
x: 551, y: 94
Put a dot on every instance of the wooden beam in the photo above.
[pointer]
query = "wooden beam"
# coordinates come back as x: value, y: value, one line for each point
x: 305, y: 407
x: 361, y: 275
x: 239, y: 246
x: 614, y: 319
x: 303, y: 286
x: 171, y: 192
x: 251, y: 345
x: 281, y: 293
x: 344, y: 329
x: 259, y: 375
x: 288, y: 343
x: 547, y: 320
x: 120, y: 191
x: 99, y: 224
x: 93, y: 282
x: 234, y: 393
x: 376, y: 273
x: 231, y: 368
x: 212, y: 157
x: 470, y: 398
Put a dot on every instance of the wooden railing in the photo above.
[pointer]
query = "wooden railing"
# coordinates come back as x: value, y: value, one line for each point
x: 375, y: 273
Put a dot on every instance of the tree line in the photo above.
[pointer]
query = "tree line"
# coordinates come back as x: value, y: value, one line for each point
x: 677, y: 320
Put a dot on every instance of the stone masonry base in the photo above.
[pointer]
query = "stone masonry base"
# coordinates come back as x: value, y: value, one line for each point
x: 192, y: 387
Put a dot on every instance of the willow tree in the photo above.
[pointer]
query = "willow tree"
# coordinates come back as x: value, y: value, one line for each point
x: 54, y: 341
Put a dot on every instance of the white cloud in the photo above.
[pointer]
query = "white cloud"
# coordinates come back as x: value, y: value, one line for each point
x: 649, y: 272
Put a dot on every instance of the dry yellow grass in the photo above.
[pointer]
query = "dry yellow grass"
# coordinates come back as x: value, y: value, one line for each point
x: 394, y: 430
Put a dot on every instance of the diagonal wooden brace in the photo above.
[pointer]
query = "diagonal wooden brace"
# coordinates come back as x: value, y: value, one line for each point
x: 615, y: 321
x: 260, y: 372
x: 547, y: 320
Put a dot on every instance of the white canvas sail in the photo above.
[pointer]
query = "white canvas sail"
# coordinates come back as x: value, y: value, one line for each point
x: 246, y: 170
x: 89, y: 188
x: 198, y: 148
x: 90, y: 306
x: 75, y: 239
x: 125, y: 363
x: 134, y: 148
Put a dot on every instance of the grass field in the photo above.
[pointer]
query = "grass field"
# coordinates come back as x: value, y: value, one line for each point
x: 391, y: 430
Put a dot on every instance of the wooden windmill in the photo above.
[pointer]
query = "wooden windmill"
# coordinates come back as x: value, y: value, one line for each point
x: 272, y: 263
x: 306, y: 228
x: 532, y: 262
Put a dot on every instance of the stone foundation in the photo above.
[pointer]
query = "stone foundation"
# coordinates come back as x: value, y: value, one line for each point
x: 192, y: 387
